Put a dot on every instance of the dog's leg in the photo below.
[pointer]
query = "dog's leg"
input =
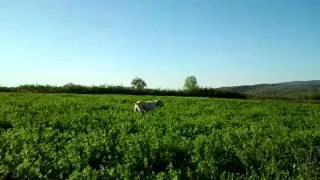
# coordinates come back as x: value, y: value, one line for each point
x: 136, y: 108
x: 142, y: 110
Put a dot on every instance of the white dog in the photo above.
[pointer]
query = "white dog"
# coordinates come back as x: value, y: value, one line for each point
x: 142, y: 106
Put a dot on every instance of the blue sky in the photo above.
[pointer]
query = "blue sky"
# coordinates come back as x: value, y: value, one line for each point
x: 221, y: 42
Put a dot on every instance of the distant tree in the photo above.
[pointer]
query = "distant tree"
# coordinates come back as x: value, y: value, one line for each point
x: 191, y: 83
x: 138, y: 83
x: 69, y: 85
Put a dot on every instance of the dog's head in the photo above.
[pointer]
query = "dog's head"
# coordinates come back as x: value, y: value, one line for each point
x: 159, y: 103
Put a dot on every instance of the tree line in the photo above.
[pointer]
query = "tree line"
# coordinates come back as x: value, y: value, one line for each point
x: 138, y: 87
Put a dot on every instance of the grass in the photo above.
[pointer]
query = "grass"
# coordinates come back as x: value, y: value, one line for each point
x: 52, y: 136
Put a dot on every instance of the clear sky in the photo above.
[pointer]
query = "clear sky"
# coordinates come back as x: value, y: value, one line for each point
x: 221, y: 42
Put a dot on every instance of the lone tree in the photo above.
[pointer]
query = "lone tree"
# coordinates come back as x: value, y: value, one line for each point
x: 191, y: 83
x: 138, y: 83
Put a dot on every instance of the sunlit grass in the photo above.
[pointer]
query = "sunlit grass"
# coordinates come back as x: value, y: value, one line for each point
x: 72, y: 136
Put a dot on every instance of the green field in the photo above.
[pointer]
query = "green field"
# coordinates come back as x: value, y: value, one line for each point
x: 98, y: 136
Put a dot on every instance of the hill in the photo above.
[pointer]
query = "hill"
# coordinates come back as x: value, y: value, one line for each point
x: 294, y: 89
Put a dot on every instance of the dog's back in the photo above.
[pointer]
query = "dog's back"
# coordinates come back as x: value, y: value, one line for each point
x: 141, y: 106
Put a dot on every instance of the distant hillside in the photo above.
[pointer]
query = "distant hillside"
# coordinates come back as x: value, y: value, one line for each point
x: 294, y: 89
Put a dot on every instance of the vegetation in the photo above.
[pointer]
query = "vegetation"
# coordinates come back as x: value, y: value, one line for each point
x: 59, y: 136
x: 79, y: 89
x: 315, y: 96
x: 191, y: 83
x: 287, y: 90
x: 297, y: 90
x: 138, y: 83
